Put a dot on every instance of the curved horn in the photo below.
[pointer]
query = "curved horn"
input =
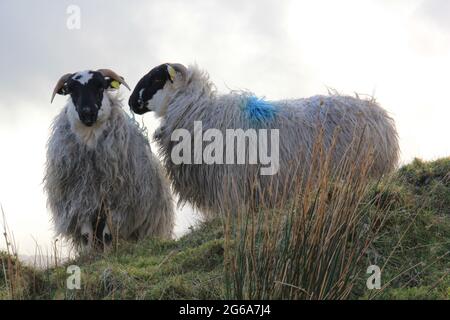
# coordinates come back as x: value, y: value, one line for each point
x: 111, y: 74
x: 60, y: 84
x: 179, y: 68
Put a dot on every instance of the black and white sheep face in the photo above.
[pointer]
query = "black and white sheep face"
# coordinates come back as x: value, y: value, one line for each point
x: 152, y: 91
x: 86, y: 90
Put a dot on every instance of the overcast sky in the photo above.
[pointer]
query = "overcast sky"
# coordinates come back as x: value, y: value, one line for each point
x: 398, y: 50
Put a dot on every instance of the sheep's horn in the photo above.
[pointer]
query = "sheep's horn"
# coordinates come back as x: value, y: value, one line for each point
x: 179, y: 68
x: 60, y: 84
x: 111, y: 74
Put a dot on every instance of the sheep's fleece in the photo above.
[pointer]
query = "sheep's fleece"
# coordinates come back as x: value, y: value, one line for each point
x: 118, y: 177
x: 225, y: 187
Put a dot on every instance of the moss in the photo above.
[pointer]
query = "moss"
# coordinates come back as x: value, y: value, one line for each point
x: 204, y: 258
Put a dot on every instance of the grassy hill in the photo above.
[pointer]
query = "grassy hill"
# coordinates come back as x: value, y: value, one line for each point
x: 412, y: 247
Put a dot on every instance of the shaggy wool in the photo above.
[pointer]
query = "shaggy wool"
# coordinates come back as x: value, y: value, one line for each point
x: 118, y: 178
x: 338, y: 120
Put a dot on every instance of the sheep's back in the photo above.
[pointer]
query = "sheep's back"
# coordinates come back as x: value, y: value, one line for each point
x: 351, y: 122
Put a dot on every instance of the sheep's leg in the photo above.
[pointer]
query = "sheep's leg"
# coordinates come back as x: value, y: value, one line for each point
x: 107, y: 238
x: 87, y: 237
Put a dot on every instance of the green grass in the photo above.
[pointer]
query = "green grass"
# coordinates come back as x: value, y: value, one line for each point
x: 190, y: 268
x: 412, y: 247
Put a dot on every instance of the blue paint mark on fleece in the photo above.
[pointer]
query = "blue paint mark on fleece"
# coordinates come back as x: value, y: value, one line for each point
x: 259, y: 110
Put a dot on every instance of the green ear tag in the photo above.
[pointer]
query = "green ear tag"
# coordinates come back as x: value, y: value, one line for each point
x: 172, y: 72
x: 115, y: 84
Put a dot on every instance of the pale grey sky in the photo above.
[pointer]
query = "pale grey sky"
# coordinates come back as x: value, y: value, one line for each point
x: 399, y: 50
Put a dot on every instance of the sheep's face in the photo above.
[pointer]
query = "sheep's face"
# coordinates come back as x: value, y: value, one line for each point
x: 86, y: 90
x: 152, y: 91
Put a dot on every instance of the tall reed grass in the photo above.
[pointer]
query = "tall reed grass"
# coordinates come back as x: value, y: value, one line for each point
x: 312, y: 246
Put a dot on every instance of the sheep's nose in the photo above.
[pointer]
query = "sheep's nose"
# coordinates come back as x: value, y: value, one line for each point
x: 89, y: 122
x: 86, y: 110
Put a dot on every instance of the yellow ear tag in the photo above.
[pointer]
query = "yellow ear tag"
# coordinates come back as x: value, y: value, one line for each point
x: 115, y: 84
x: 172, y: 72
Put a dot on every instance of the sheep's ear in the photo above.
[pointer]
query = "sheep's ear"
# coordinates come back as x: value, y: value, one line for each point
x: 61, y: 86
x: 172, y: 73
x: 64, y: 90
x: 112, y: 84
x: 113, y: 79
x: 174, y: 69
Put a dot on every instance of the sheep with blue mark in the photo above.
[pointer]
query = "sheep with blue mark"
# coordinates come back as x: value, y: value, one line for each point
x: 183, y: 97
x: 102, y: 180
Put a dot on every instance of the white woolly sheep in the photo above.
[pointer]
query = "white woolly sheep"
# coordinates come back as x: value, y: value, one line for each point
x: 181, y: 96
x: 102, y: 180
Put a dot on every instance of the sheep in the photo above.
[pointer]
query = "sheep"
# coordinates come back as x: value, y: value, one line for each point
x: 187, y: 102
x: 102, y: 180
